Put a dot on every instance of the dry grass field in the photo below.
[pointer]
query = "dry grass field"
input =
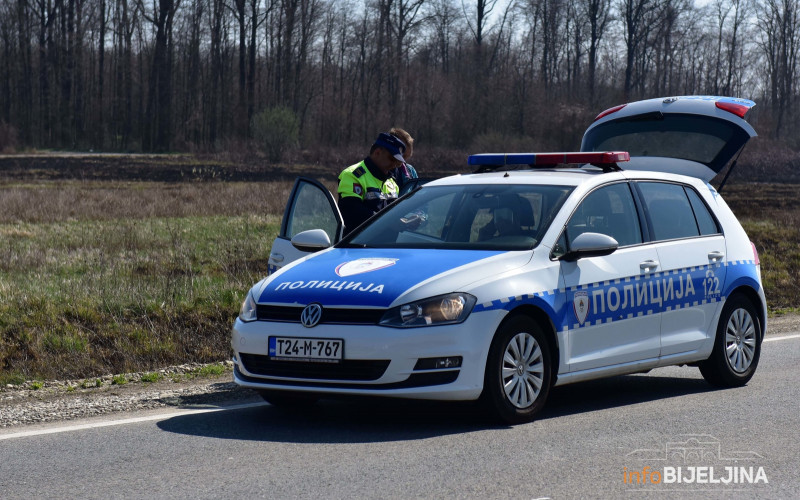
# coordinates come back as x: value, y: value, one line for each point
x: 115, y: 272
x: 770, y: 213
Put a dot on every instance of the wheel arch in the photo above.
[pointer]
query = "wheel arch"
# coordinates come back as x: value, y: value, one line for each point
x: 543, y: 320
x: 753, y: 296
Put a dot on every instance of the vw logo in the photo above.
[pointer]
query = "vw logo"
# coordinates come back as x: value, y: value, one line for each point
x: 311, y: 315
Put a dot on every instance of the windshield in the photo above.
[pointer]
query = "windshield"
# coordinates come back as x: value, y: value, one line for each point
x: 486, y: 217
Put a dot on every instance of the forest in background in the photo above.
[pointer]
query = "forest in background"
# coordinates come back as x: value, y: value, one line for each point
x: 221, y: 75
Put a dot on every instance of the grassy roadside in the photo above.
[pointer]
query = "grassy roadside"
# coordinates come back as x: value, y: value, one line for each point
x: 85, y: 298
x: 770, y: 213
x: 778, y: 248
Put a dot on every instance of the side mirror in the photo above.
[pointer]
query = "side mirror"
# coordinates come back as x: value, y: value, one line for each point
x: 590, y: 245
x: 312, y: 240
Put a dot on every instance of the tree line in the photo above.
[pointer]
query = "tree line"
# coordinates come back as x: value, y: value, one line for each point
x: 167, y: 75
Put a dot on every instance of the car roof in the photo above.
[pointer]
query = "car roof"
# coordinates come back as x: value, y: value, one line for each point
x: 551, y: 177
x: 561, y: 177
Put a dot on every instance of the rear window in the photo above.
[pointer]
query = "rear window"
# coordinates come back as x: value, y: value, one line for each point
x: 688, y: 137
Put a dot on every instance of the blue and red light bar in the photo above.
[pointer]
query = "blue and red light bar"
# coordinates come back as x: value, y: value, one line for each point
x: 540, y: 159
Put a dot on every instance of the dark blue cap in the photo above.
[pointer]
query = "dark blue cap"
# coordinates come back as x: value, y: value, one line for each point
x: 392, y: 144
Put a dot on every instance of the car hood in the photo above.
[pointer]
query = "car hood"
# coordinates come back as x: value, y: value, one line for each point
x: 689, y: 135
x: 363, y: 277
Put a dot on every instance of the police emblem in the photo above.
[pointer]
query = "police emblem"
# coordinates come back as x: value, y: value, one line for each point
x: 360, y: 266
x: 580, y: 304
x: 357, y: 189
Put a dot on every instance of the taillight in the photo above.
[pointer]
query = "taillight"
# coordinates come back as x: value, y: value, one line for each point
x: 731, y: 107
x: 609, y: 111
x: 755, y: 254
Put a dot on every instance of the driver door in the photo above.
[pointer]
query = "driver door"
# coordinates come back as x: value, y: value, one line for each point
x: 310, y: 206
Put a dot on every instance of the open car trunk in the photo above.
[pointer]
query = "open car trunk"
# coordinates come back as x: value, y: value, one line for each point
x: 694, y: 135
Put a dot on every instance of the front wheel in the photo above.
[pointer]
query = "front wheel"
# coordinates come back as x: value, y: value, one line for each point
x: 737, y: 347
x: 517, y: 379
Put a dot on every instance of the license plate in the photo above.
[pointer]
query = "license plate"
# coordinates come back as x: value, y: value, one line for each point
x: 306, y: 349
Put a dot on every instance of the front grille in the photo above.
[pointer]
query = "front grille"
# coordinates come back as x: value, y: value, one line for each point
x: 291, y: 314
x: 414, y: 380
x: 346, y: 369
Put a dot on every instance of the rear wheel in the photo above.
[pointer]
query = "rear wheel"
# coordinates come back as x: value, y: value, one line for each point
x: 737, y: 347
x: 288, y: 400
x: 517, y: 379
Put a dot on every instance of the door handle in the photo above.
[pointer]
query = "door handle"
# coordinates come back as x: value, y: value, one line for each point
x: 276, y: 257
x: 648, y: 265
x: 715, y: 256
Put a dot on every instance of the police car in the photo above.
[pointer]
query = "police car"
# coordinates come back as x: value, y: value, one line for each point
x: 536, y: 271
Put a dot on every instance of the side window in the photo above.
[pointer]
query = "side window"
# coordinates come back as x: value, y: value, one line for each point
x: 704, y: 218
x: 609, y: 210
x: 311, y: 210
x: 670, y: 210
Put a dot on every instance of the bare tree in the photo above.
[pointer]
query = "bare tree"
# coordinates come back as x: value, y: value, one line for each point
x: 25, y: 70
x: 157, y: 132
x: 638, y: 19
x: 779, y: 25
x: 598, y: 15
x: 216, y: 21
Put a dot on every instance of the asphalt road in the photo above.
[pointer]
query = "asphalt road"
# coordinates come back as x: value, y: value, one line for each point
x: 589, y: 439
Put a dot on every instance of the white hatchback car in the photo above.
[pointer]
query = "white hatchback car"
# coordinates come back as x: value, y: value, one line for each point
x: 530, y: 273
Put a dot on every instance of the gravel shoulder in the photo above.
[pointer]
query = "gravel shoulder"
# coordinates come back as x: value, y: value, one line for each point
x: 783, y: 324
x: 178, y: 387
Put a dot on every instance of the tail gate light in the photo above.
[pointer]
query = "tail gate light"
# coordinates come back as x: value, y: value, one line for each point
x: 731, y: 107
x: 610, y: 111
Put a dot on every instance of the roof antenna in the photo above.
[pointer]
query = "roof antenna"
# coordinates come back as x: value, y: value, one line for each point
x: 728, y: 174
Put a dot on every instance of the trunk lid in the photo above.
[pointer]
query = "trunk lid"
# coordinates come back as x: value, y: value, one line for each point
x: 689, y: 135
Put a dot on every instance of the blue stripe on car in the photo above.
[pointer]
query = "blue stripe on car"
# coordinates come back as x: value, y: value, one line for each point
x: 317, y: 280
x: 651, y: 294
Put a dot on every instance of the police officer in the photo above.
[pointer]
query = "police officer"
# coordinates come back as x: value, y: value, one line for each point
x: 367, y: 187
x: 405, y: 172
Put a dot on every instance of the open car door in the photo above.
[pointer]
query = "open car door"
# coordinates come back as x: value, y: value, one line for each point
x: 310, y: 206
x: 412, y: 184
x: 691, y: 135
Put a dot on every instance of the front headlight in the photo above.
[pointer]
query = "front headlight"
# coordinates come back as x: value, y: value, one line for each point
x: 442, y: 310
x: 248, y: 311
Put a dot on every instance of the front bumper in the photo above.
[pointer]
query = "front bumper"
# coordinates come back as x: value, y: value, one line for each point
x: 379, y: 361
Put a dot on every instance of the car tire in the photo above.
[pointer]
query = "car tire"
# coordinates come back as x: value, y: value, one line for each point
x: 288, y: 400
x: 517, y: 378
x: 737, y: 346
